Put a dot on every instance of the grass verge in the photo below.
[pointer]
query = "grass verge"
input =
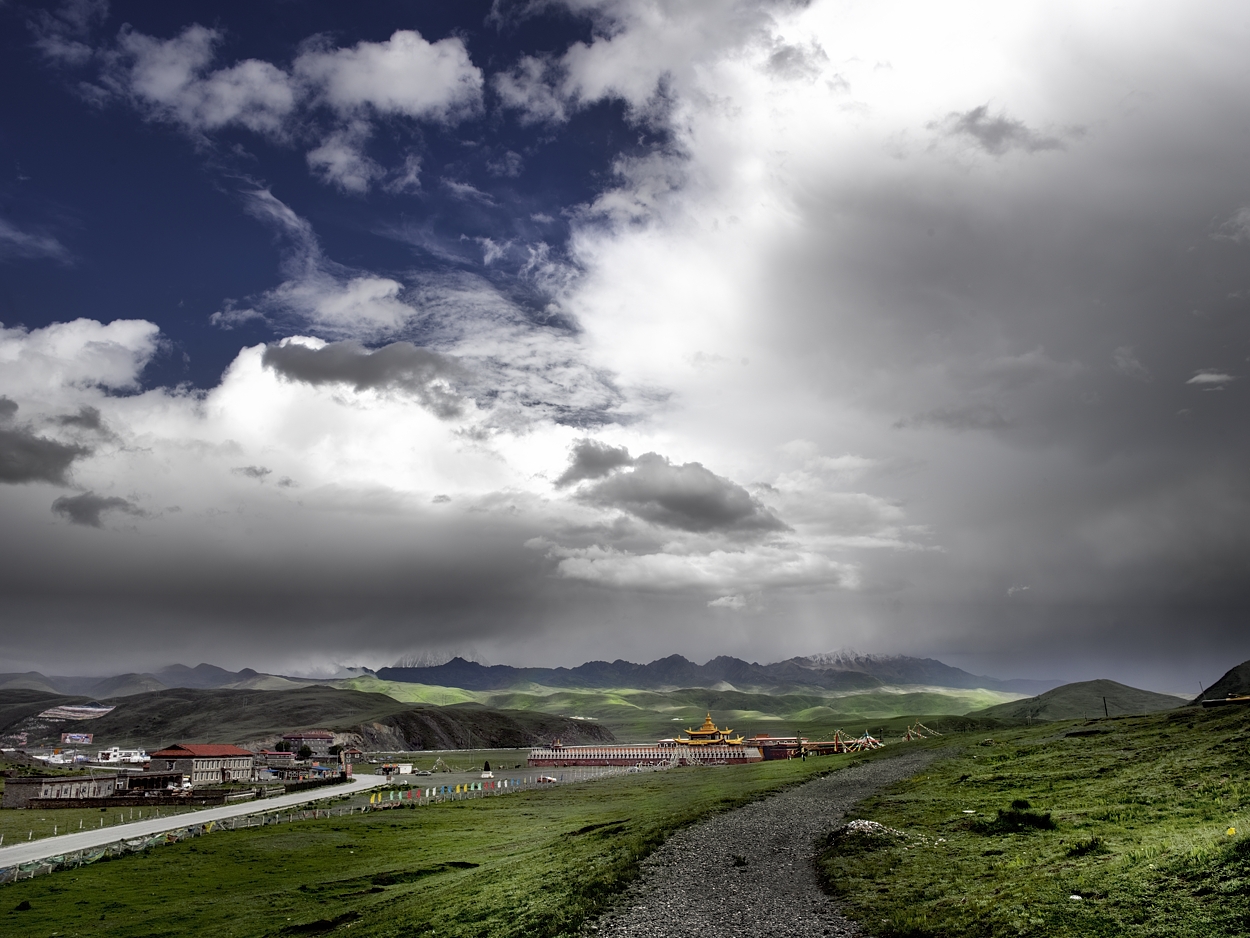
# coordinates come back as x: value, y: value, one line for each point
x: 1133, y: 827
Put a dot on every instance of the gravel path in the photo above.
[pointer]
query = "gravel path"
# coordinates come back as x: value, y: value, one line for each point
x: 698, y: 885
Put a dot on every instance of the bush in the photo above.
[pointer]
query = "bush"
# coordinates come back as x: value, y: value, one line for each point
x: 1086, y: 848
x: 1015, y: 821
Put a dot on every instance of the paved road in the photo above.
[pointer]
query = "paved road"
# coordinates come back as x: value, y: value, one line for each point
x: 83, y: 840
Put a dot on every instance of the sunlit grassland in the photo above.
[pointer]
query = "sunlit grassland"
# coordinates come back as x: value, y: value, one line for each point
x: 637, y: 715
x: 1142, y: 808
x: 527, y: 864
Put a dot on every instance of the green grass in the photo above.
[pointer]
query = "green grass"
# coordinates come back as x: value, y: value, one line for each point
x: 1140, y: 809
x: 19, y: 824
x: 635, y: 715
x: 527, y: 864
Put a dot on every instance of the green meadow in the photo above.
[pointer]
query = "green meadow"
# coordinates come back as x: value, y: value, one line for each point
x: 527, y: 864
x: 1134, y: 827
x: 635, y: 715
x: 1142, y: 819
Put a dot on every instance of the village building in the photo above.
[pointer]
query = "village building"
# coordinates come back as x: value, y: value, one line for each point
x: 20, y: 792
x: 708, y: 745
x: 206, y: 764
x: 319, y: 741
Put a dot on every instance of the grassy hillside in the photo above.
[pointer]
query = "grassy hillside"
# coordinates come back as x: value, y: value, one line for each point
x: 20, y: 705
x: 245, y: 716
x: 642, y: 715
x: 1083, y: 700
x: 1123, y: 827
x: 27, y: 680
x: 1235, y: 681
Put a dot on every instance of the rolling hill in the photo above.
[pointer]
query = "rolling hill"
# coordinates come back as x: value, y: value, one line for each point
x: 1235, y: 681
x: 1083, y: 699
x: 643, y: 715
x: 259, y: 717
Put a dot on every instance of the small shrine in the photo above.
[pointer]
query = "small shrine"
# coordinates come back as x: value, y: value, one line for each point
x: 709, y: 735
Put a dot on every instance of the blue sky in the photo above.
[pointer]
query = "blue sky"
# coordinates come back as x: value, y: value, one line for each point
x: 569, y: 329
x: 147, y: 213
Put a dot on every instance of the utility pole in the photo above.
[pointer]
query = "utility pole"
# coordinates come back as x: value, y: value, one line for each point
x: 1104, y: 708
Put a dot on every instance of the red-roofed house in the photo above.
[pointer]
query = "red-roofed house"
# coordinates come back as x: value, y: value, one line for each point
x: 208, y: 764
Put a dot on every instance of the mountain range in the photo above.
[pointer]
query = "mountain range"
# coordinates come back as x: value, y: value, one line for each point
x: 831, y: 672
x: 823, y: 672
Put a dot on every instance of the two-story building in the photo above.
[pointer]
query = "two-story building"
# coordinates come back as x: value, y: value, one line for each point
x: 318, y: 741
x: 205, y: 764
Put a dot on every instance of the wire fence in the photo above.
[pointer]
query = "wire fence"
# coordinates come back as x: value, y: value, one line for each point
x: 386, y: 799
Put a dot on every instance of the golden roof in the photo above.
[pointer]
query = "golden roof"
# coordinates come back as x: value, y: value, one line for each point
x: 709, y: 734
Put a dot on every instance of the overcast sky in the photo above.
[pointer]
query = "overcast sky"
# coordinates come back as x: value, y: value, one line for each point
x: 553, y: 331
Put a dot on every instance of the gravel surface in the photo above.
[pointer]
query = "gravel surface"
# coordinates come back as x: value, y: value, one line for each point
x: 750, y: 871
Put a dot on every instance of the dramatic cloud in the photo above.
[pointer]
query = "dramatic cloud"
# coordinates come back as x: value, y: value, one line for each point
x: 88, y: 508
x: 593, y: 460
x: 25, y: 457
x: 916, y: 305
x: 401, y: 366
x: 82, y: 353
x: 688, y: 497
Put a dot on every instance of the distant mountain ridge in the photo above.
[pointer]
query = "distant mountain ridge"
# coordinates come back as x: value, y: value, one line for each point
x: 860, y: 672
x: 829, y: 672
x: 201, y: 677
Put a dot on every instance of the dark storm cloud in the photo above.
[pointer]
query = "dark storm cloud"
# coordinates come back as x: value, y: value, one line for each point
x: 87, y: 418
x: 996, y: 134
x: 593, y: 460
x: 87, y: 508
x: 688, y: 497
x: 400, y: 366
x: 254, y: 472
x: 8, y: 408
x: 25, y: 457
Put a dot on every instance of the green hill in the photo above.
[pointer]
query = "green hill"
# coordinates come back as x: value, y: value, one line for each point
x: 28, y: 680
x: 638, y: 715
x: 1083, y: 699
x: 190, y: 715
x: 1236, y: 681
